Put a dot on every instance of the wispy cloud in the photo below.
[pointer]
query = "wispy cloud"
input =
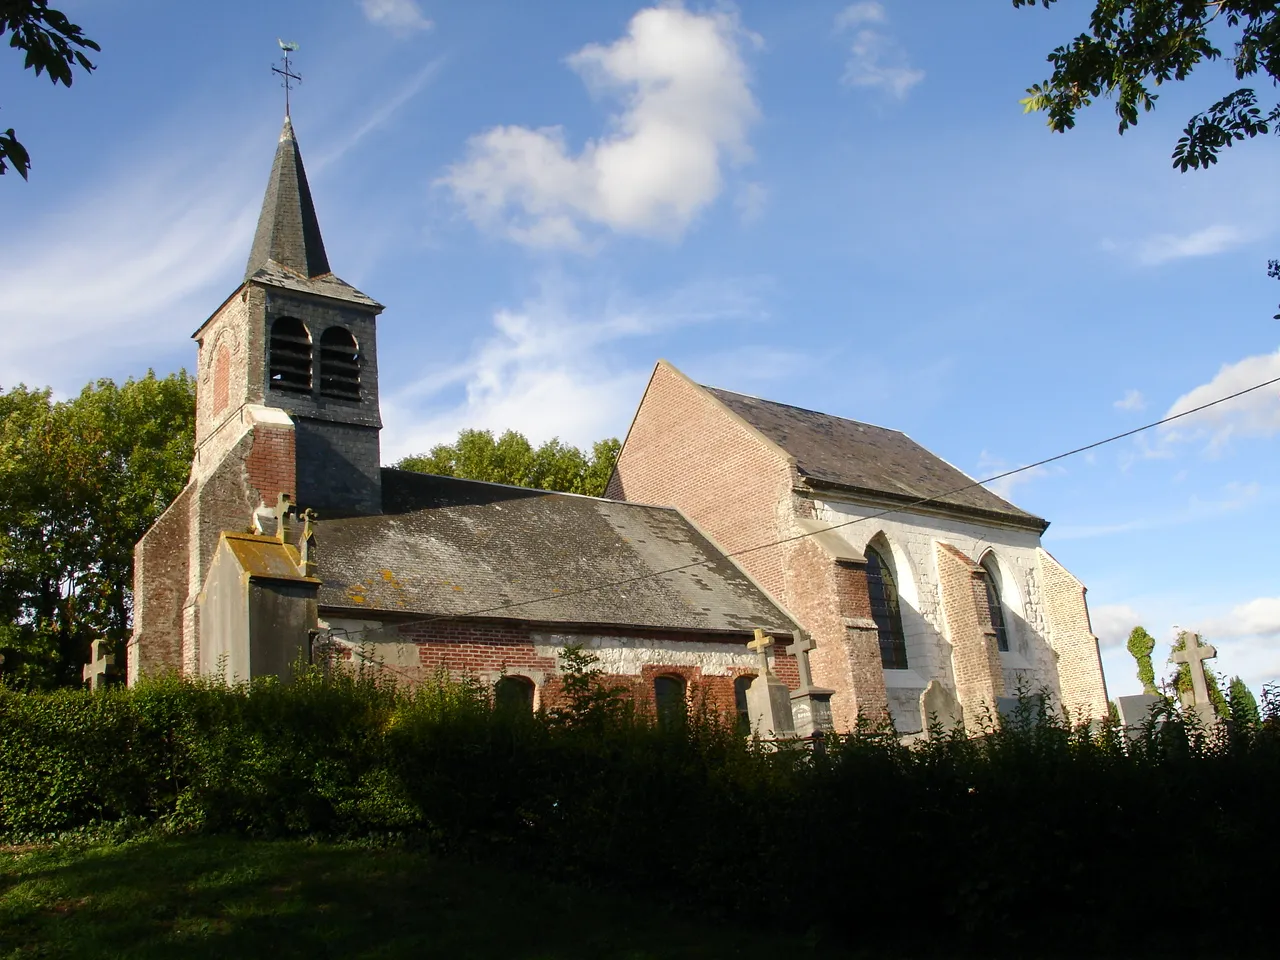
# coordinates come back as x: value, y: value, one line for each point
x: 137, y: 260
x: 1257, y: 618
x: 989, y: 465
x: 380, y: 115
x: 687, y: 106
x: 550, y: 369
x: 1112, y: 623
x: 876, y: 60
x: 1163, y: 247
x: 1234, y: 496
x: 750, y: 202
x: 1132, y: 400
x: 1255, y: 414
x: 402, y: 17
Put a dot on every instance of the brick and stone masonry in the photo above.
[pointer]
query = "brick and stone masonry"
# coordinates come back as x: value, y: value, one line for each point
x: 687, y: 448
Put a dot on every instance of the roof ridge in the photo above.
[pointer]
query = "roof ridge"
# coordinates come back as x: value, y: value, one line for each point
x: 516, y: 486
x: 792, y: 406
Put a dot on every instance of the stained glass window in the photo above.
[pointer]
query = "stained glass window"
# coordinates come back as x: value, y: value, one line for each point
x: 886, y: 611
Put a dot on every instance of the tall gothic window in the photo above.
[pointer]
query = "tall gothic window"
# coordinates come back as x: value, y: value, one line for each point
x: 991, y: 576
x: 886, y: 611
x: 668, y: 698
x: 339, y: 365
x: 289, y: 367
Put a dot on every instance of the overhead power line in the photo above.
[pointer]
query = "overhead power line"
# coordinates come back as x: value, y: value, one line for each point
x: 835, y: 526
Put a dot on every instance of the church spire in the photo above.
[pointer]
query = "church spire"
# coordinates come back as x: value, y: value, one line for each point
x: 288, y: 231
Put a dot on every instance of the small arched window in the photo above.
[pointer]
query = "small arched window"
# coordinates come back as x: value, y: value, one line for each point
x: 995, y: 605
x: 740, y: 685
x: 668, y: 698
x: 290, y: 364
x: 514, y: 694
x: 886, y: 610
x: 339, y: 365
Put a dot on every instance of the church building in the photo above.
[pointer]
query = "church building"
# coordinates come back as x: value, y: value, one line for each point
x: 422, y: 573
x: 901, y: 570
x: 885, y: 579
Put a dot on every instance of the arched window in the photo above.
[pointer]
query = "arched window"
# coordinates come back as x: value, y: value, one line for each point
x: 290, y: 364
x: 668, y: 698
x: 514, y: 694
x: 339, y: 365
x: 740, y: 685
x: 886, y: 610
x: 991, y: 575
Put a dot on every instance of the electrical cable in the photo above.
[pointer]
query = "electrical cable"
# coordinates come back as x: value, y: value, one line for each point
x: 800, y: 536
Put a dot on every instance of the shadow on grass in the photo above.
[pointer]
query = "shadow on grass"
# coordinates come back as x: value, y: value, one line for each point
x: 222, y: 897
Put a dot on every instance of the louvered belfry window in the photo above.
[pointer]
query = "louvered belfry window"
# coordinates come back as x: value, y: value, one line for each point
x: 290, y: 365
x: 339, y: 365
x: 886, y: 611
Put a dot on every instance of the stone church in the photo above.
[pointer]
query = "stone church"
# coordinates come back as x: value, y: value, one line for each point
x: 874, y: 569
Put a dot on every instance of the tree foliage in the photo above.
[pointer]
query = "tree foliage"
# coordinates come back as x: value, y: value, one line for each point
x: 53, y: 45
x: 80, y: 481
x: 1244, y: 705
x: 512, y: 459
x: 1135, y: 45
x: 1140, y: 646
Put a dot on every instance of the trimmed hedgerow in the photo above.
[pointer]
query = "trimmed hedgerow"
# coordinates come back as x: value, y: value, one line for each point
x: 1038, y: 837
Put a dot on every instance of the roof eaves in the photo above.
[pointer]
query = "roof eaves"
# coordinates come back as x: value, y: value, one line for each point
x: 1020, y: 519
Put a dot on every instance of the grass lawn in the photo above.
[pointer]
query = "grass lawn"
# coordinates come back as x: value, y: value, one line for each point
x: 231, y: 898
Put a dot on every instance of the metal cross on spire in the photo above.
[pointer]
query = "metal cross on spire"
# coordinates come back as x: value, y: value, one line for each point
x: 285, y: 73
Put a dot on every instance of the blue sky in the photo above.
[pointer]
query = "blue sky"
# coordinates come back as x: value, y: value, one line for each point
x: 832, y: 205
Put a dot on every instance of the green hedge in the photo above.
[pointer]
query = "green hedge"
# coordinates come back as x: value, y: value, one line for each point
x: 1036, y: 838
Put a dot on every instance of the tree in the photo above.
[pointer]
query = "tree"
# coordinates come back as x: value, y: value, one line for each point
x: 476, y: 455
x: 1140, y: 646
x: 1135, y: 45
x: 80, y: 482
x: 53, y: 45
x: 1244, y: 705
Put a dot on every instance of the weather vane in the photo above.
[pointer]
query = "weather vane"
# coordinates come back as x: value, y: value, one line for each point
x: 286, y: 74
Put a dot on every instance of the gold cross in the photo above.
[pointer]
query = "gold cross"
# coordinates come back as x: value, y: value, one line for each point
x: 761, y: 643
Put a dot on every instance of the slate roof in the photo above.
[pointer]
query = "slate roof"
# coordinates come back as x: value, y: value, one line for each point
x: 288, y: 250
x: 460, y: 548
x: 862, y: 458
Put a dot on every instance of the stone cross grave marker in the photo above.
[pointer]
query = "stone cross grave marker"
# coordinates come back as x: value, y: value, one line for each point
x: 101, y: 668
x: 1193, y: 655
x: 768, y: 698
x: 937, y: 702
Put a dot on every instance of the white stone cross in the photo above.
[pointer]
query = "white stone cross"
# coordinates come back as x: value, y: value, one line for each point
x: 800, y: 650
x: 760, y: 644
x: 1193, y: 655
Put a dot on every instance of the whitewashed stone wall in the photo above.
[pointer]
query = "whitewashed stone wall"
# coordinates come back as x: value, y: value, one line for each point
x: 911, y: 538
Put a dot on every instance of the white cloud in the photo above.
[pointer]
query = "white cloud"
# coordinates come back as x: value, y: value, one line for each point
x: 1255, y: 414
x: 876, y: 60
x: 1163, y: 247
x: 687, y: 106
x: 1257, y: 618
x: 1112, y: 623
x: 989, y: 465
x: 399, y: 16
x: 1132, y: 400
x: 546, y: 371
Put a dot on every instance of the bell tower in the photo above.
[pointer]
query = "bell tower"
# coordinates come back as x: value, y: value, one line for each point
x: 286, y: 403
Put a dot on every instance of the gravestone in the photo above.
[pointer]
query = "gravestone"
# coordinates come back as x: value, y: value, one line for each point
x: 1013, y: 713
x: 1193, y: 655
x: 101, y: 668
x: 768, y: 698
x: 1135, y: 711
x: 940, y: 704
x: 810, y: 705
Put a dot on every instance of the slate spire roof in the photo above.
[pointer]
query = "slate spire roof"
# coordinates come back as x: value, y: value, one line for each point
x: 288, y: 230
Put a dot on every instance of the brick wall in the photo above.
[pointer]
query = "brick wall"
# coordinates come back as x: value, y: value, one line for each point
x: 979, y: 676
x: 1084, y: 688
x: 415, y: 652
x: 685, y: 450
x: 159, y: 592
